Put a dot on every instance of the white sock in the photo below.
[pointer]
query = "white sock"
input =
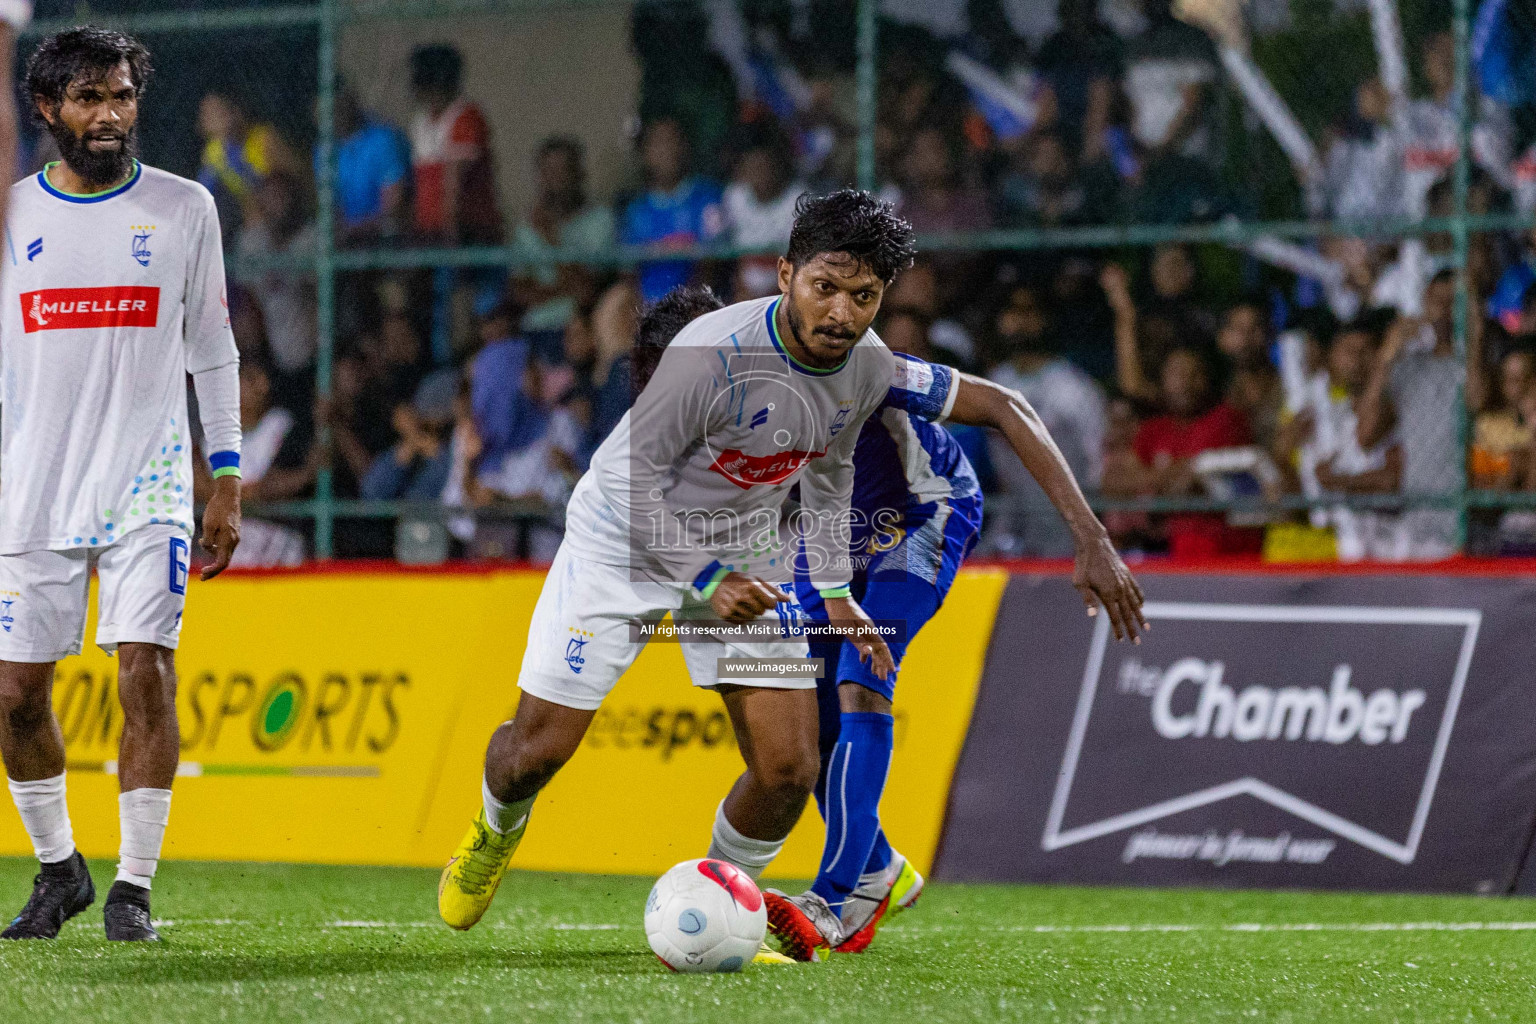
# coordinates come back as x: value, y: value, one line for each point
x: 143, y: 814
x: 45, y: 815
x: 504, y: 818
x: 729, y: 845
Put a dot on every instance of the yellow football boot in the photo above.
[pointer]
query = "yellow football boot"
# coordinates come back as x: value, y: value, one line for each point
x: 768, y: 955
x: 469, y: 882
x: 907, y: 887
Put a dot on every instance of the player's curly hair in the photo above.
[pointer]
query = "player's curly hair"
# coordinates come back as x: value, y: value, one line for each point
x: 88, y: 52
x: 854, y: 222
x: 661, y: 321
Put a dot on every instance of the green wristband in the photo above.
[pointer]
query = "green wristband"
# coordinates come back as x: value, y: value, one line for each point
x: 233, y: 471
x: 836, y: 592
x: 714, y: 582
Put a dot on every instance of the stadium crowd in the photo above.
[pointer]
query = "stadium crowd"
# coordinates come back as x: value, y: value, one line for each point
x: 1322, y: 369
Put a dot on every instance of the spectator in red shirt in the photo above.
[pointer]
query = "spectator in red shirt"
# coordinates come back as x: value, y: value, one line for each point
x: 1166, y: 446
x: 451, y: 154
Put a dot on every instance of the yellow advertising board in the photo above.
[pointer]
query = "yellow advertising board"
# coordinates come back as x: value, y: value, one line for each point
x: 342, y: 718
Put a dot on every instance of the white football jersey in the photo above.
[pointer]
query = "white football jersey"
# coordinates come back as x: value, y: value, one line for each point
x: 694, y: 477
x: 109, y: 301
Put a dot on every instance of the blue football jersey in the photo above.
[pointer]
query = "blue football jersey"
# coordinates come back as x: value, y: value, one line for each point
x: 688, y: 216
x: 905, y: 465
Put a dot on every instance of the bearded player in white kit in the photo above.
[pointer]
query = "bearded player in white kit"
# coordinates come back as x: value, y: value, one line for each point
x: 113, y: 293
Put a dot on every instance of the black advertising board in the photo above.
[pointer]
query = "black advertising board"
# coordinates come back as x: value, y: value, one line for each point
x: 1370, y: 732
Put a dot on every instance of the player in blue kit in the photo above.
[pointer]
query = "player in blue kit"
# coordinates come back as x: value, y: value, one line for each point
x: 916, y: 515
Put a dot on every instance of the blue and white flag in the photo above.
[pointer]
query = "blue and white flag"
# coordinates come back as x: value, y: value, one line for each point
x: 1008, y: 112
x: 778, y: 86
x: 1501, y: 56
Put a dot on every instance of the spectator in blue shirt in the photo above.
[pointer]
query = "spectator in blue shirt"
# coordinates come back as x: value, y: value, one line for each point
x: 372, y: 174
x: 504, y: 418
x: 676, y: 210
x: 417, y: 466
x: 1507, y: 303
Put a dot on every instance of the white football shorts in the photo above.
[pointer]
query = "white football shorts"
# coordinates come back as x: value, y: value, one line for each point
x: 581, y: 638
x: 43, y: 595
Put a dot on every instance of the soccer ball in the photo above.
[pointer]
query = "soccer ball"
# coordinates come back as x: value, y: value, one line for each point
x: 705, y: 916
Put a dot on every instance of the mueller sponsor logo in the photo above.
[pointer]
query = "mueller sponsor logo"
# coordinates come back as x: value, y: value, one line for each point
x: 782, y: 434
x: 66, y: 309
x: 1246, y: 710
x: 746, y: 471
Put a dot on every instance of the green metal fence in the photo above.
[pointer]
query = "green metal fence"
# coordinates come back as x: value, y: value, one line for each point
x: 328, y: 17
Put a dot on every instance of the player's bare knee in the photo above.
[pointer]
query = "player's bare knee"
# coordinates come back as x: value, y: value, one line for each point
x: 538, y: 762
x: 528, y: 751
x: 860, y: 699
x: 520, y: 760
x: 537, y: 770
x: 26, y: 709
x: 146, y: 686
x: 789, y: 774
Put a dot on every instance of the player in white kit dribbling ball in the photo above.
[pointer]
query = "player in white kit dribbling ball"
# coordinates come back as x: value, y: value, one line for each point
x: 113, y: 293
x: 686, y: 512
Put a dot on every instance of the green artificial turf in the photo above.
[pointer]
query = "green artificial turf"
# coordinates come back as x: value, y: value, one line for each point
x: 280, y: 943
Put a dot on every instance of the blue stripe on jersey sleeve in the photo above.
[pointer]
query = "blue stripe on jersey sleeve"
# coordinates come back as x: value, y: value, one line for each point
x: 919, y: 388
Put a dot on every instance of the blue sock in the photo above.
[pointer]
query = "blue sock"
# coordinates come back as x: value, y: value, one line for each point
x: 830, y: 712
x: 880, y: 856
x: 855, y: 778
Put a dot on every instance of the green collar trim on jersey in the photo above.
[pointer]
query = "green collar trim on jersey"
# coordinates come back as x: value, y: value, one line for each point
x: 773, y: 332
x: 90, y: 197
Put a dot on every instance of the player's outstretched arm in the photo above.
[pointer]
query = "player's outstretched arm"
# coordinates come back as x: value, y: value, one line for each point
x: 859, y: 630
x: 1100, y: 572
x: 737, y: 597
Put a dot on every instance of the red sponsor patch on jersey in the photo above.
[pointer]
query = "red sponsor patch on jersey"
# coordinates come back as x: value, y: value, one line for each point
x: 70, y: 309
x: 734, y: 881
x: 746, y: 471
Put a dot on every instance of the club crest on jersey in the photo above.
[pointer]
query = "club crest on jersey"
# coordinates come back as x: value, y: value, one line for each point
x: 841, y: 420
x: 140, y: 250
x: 574, y: 647
x: 34, y: 249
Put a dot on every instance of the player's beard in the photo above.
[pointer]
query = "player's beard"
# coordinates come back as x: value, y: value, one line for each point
x: 797, y: 327
x: 99, y: 167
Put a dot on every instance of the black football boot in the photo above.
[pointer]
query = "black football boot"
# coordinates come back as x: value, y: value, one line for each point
x: 59, y: 892
x: 126, y: 914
